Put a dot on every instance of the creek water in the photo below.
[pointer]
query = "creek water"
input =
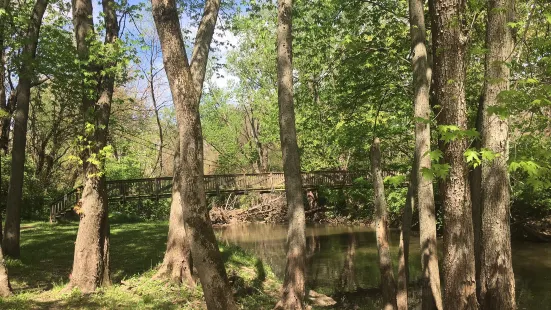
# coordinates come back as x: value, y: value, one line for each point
x: 343, y: 260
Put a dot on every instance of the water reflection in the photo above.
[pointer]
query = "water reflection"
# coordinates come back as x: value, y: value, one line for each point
x: 343, y: 259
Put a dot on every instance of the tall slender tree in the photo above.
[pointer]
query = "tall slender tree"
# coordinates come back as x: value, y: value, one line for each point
x: 388, y: 283
x: 204, y: 248
x: 449, y: 52
x: 294, y: 280
x: 177, y: 262
x: 424, y: 195
x: 91, y: 258
x: 403, y: 251
x: 10, y: 242
x: 497, y: 281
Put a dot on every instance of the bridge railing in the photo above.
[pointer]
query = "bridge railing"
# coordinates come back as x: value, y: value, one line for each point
x: 155, y: 188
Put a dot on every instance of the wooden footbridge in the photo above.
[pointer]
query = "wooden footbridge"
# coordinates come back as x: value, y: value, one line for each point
x: 156, y: 188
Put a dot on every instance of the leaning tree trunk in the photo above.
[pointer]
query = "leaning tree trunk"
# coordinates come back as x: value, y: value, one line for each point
x: 91, y: 258
x: 424, y: 195
x: 10, y: 243
x: 388, y: 284
x: 294, y: 280
x: 204, y: 248
x: 177, y: 264
x: 497, y: 281
x: 449, y: 88
x: 178, y: 260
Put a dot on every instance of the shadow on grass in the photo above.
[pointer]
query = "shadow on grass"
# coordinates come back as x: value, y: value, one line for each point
x: 136, y: 249
x: 47, y: 253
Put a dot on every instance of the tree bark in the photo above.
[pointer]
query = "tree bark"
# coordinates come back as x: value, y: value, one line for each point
x: 177, y: 264
x: 3, y: 103
x: 424, y: 195
x: 184, y: 89
x: 449, y: 50
x: 294, y: 280
x: 5, y: 287
x: 388, y: 284
x: 497, y: 281
x: 475, y: 176
x: 91, y: 258
x: 403, y: 252
x: 10, y: 242
x: 178, y: 260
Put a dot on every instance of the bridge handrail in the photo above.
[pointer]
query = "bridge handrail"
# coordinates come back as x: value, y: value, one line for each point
x: 60, y: 204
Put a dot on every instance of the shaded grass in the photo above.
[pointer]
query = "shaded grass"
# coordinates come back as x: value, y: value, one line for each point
x: 136, y: 250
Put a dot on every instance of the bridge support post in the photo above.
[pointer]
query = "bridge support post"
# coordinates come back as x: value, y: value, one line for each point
x: 52, y: 214
x: 157, y: 189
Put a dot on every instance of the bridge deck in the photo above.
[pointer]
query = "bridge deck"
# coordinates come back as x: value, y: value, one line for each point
x: 155, y: 188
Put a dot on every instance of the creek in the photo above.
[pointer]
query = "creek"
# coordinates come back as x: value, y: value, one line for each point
x: 343, y: 260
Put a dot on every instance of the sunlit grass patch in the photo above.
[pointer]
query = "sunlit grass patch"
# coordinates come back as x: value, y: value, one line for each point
x: 38, y: 278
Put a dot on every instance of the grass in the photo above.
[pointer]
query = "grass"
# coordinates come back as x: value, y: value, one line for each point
x: 136, y: 250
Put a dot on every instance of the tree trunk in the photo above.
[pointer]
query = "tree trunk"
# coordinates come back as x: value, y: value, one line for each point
x: 388, y: 284
x: 449, y: 50
x: 177, y: 263
x: 91, y: 259
x: 10, y: 243
x: 403, y: 252
x: 424, y: 195
x: 184, y: 88
x: 5, y: 287
x: 294, y: 280
x: 475, y: 176
x: 497, y: 281
x: 157, y: 118
x: 4, y: 4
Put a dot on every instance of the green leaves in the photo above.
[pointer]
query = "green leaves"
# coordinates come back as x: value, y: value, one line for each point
x: 396, y: 180
x: 450, y: 133
x: 472, y: 157
x: 438, y: 171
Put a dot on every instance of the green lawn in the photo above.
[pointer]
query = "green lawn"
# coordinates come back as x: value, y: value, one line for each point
x: 136, y: 250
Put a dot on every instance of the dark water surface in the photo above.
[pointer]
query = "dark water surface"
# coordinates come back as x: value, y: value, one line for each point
x: 344, y: 259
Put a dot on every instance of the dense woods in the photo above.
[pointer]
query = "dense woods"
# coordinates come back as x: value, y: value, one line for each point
x: 441, y: 107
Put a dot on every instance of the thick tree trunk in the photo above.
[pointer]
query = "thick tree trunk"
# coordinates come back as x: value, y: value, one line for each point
x: 294, y: 280
x: 424, y: 194
x: 91, y: 259
x: 10, y: 243
x: 177, y: 264
x: 5, y: 288
x: 403, y: 252
x: 449, y: 50
x: 183, y: 86
x: 388, y: 284
x: 497, y: 281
